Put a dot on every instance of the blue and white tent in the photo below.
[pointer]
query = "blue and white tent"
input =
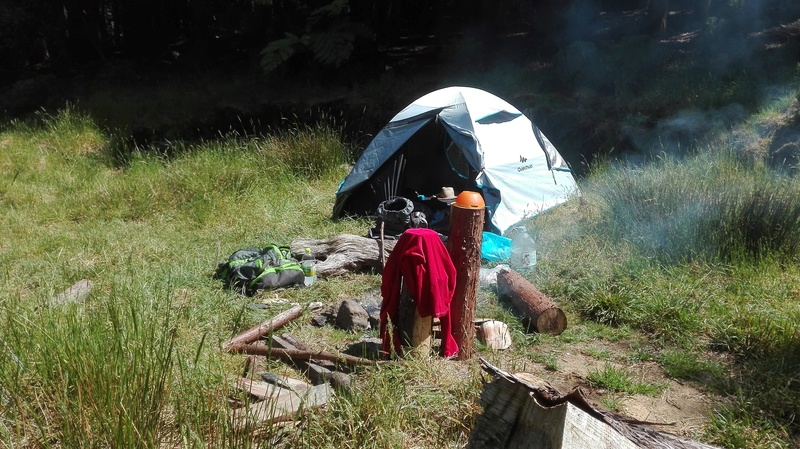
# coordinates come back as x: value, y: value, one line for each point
x: 467, y: 139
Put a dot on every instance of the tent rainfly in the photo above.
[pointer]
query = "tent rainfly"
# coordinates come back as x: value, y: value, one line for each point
x: 468, y: 139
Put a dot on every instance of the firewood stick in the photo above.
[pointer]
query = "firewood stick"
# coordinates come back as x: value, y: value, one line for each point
x: 264, y: 328
x: 296, y: 354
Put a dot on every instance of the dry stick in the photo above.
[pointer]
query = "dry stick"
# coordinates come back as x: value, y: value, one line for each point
x: 383, y: 254
x: 296, y: 354
x: 262, y: 329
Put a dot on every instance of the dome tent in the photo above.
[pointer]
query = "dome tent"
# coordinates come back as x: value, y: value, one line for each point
x: 468, y: 139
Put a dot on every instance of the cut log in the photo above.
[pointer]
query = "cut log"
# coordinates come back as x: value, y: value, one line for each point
x: 76, y: 294
x: 292, y: 354
x: 539, y: 313
x: 345, y: 253
x: 494, y: 334
x: 415, y: 330
x: 264, y: 328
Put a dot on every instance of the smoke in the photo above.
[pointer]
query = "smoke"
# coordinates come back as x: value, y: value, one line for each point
x: 682, y: 132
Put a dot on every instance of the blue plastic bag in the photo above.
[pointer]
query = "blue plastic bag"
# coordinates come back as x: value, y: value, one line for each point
x: 495, y: 248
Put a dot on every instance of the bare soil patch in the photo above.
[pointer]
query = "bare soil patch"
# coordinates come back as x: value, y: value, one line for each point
x: 681, y: 409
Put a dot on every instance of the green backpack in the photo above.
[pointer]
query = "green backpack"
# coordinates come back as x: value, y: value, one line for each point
x: 250, y: 270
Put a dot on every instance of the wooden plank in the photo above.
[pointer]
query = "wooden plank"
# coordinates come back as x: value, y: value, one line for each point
x: 283, y: 405
x: 263, y: 390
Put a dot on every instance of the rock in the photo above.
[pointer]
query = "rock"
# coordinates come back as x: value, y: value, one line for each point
x: 352, y: 316
x: 324, y: 315
x: 368, y: 348
x: 372, y: 304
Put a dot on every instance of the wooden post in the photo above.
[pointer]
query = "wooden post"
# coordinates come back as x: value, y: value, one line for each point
x: 521, y: 411
x: 464, y: 245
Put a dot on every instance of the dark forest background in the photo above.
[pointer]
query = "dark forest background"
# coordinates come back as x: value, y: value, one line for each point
x: 597, y: 75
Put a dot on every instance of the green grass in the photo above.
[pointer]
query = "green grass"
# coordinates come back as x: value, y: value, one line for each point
x: 692, y: 262
x: 620, y: 380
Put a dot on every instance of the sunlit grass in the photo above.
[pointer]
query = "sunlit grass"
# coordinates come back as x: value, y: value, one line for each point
x: 622, y: 381
x: 681, y: 258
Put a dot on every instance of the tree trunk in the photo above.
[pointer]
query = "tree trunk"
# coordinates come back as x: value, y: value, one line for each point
x: 538, y: 312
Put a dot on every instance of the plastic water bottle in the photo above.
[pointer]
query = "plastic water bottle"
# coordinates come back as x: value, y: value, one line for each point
x: 309, y: 265
x: 523, y: 250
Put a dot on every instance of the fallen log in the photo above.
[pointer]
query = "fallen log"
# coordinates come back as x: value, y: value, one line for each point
x: 296, y: 354
x: 538, y: 312
x: 254, y: 333
x: 520, y: 411
x: 345, y: 253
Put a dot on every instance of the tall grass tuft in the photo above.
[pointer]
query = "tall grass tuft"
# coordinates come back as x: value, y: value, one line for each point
x: 714, y: 206
x: 94, y: 377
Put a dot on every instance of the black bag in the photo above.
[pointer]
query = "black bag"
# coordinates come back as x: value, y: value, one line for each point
x: 397, y: 215
x: 252, y: 269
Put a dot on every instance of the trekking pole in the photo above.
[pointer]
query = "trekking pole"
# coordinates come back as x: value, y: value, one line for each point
x: 383, y: 254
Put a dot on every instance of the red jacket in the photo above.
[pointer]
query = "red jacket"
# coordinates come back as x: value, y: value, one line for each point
x: 421, y: 260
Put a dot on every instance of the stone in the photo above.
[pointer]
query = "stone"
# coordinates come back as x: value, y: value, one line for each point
x: 352, y: 316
